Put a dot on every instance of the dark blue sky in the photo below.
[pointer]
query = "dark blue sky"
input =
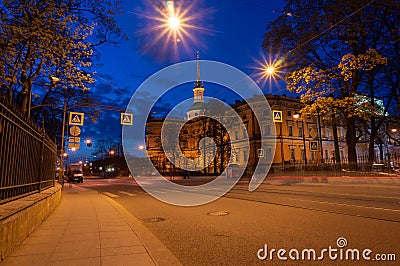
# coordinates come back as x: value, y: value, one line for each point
x: 229, y: 31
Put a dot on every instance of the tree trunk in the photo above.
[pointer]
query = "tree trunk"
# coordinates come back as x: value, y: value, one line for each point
x: 351, y: 139
x: 26, y: 90
x: 336, y: 141
x: 381, y: 152
x: 371, y: 147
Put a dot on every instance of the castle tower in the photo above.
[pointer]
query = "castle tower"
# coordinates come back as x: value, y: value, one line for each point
x: 198, y: 107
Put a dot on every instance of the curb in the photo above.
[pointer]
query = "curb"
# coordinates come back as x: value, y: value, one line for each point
x: 21, y: 217
x: 160, y: 254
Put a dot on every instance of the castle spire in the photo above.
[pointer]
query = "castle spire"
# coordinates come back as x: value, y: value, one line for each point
x: 198, y: 67
x: 198, y: 107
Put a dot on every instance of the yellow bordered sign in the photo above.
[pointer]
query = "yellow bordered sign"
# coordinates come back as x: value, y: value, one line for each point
x: 126, y: 119
x: 277, y: 116
x: 76, y: 119
x: 314, y: 145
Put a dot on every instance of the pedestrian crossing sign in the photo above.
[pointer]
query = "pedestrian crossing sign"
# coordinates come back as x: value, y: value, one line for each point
x: 76, y: 118
x: 314, y: 145
x: 277, y: 116
x: 126, y: 119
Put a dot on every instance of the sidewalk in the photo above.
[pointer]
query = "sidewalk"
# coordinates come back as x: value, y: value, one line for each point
x: 90, y: 229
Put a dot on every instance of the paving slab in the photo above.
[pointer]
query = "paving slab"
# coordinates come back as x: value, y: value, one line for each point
x: 88, y: 228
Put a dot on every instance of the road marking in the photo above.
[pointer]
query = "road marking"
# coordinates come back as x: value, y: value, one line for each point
x: 127, y: 193
x: 339, y: 194
x: 348, y: 205
x: 160, y: 191
x: 111, y: 195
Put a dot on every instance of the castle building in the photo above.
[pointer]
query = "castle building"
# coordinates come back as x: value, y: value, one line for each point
x: 300, y: 142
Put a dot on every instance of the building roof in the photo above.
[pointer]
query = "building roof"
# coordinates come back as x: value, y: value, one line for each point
x: 201, y: 106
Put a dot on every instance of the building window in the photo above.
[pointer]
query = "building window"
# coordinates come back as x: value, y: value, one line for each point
x: 342, y: 134
x: 267, y: 129
x: 244, y: 133
x: 310, y: 130
x: 290, y: 129
x: 292, y: 154
x: 268, y: 155
x: 303, y: 155
x: 300, y: 131
x: 327, y: 133
x: 326, y: 155
x: 236, y: 135
x: 244, y: 156
x: 244, y: 116
x: 289, y: 113
x: 342, y: 154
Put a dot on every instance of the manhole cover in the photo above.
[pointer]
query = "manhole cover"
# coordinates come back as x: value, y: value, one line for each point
x: 154, y: 220
x: 222, y: 235
x: 218, y: 213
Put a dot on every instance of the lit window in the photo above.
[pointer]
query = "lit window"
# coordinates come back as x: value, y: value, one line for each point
x: 290, y: 131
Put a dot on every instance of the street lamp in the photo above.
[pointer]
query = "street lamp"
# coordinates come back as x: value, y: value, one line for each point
x: 89, y: 142
x: 269, y: 70
x: 297, y: 116
x: 54, y: 81
x: 174, y: 23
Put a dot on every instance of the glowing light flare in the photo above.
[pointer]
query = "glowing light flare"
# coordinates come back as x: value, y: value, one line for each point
x: 268, y: 70
x: 173, y: 25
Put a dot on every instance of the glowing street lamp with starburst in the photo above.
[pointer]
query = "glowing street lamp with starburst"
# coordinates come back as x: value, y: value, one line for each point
x: 268, y: 70
x: 173, y: 24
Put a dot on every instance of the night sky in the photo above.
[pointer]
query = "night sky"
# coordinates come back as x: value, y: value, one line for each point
x: 228, y: 31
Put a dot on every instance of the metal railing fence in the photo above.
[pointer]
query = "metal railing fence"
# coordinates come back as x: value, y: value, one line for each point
x: 388, y: 165
x: 27, y: 155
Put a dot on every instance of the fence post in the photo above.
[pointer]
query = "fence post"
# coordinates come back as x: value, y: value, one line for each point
x: 41, y: 158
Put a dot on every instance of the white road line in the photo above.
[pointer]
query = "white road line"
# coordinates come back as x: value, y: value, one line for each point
x: 348, y: 205
x: 111, y: 195
x: 127, y: 193
x: 342, y: 194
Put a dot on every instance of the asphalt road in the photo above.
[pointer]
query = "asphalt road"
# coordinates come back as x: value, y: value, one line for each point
x: 233, y: 229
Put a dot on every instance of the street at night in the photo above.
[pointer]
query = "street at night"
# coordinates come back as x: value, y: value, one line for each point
x: 231, y: 230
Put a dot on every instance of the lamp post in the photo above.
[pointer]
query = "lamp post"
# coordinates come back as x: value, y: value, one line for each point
x: 54, y: 81
x: 297, y: 116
